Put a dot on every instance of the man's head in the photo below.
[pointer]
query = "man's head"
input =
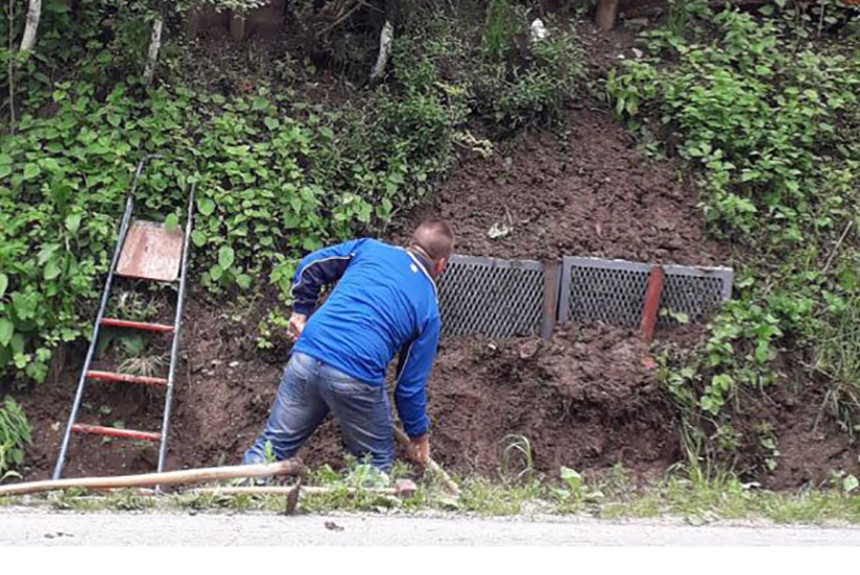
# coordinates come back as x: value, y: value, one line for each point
x: 434, y: 239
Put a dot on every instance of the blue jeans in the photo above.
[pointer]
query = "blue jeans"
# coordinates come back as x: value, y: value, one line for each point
x: 308, y: 391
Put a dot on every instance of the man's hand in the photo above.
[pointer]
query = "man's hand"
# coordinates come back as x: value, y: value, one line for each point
x: 419, y: 449
x: 296, y: 325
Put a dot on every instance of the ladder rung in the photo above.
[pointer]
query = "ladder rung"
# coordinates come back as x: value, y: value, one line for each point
x: 141, y: 325
x: 125, y: 378
x: 116, y: 432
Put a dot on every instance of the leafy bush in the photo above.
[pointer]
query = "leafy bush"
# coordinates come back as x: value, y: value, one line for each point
x: 277, y: 178
x: 773, y: 129
x: 532, y: 91
x: 14, y: 436
x: 494, y: 70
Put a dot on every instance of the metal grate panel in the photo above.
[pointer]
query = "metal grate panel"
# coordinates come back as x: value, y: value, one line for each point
x: 491, y: 297
x: 608, y: 291
x: 613, y: 291
x: 694, y: 291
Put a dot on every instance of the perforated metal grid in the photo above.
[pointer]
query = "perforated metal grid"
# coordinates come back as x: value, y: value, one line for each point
x: 490, y: 296
x: 613, y: 291
x: 694, y: 291
x: 607, y: 291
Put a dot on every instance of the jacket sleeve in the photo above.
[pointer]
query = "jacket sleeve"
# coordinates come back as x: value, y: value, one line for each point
x: 318, y: 269
x: 413, y: 369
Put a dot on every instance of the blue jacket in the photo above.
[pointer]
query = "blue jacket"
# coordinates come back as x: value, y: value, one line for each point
x: 384, y: 302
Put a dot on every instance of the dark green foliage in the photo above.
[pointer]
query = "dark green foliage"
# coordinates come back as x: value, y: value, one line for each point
x: 773, y: 128
x: 277, y: 176
x: 14, y: 435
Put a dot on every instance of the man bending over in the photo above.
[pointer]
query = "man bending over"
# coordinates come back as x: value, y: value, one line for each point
x: 384, y: 303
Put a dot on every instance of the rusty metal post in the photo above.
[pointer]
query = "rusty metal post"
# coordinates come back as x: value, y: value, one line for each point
x: 551, y: 290
x: 653, y: 291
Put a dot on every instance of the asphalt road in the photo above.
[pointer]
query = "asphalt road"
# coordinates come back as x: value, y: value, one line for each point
x: 27, y: 526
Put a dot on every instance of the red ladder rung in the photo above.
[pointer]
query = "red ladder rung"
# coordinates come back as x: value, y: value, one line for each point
x: 141, y: 325
x: 116, y: 432
x: 112, y: 377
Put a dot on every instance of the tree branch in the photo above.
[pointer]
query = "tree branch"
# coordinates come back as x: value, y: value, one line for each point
x: 154, y: 47
x: 34, y: 12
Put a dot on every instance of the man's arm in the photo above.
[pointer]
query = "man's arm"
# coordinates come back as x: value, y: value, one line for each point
x: 318, y: 269
x: 413, y: 369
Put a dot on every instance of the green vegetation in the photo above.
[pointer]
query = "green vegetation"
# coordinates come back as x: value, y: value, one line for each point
x: 14, y: 437
x: 771, y: 122
x: 493, y: 72
x: 277, y: 175
x: 611, y: 497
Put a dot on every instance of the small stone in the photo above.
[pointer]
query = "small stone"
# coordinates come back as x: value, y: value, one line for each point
x: 234, y: 363
x: 528, y: 349
x: 405, y: 487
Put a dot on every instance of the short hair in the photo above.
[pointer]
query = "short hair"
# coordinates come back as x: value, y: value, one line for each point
x: 435, y: 237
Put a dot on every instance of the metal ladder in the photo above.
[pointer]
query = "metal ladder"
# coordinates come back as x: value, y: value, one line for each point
x: 131, y: 261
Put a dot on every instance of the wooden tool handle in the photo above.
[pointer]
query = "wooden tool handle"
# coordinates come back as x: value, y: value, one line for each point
x: 404, y: 440
x: 288, y: 467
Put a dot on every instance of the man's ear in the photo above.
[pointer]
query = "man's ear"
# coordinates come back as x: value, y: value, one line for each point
x: 441, y: 264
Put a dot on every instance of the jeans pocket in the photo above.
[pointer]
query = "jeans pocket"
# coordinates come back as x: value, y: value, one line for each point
x: 297, y: 373
x: 343, y: 384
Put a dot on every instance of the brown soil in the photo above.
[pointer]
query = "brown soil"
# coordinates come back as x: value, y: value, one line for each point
x: 582, y: 399
x: 595, y: 196
x: 810, y: 442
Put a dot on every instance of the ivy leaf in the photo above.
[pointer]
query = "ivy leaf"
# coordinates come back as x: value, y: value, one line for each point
x: 73, y: 223
x: 31, y: 171
x: 171, y: 222
x: 226, y: 256
x: 271, y: 123
x: 216, y: 272
x: 260, y: 103
x: 205, y: 206
x: 7, y: 328
x: 199, y: 238
x: 243, y: 280
x: 52, y: 270
x: 46, y: 253
x: 571, y: 477
x: 4, y: 283
x: 850, y: 483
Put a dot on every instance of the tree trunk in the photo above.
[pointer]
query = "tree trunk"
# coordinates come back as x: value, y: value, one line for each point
x: 237, y: 26
x: 386, y: 39
x: 34, y: 12
x: 154, y: 47
x: 11, y: 68
x: 192, y: 23
x: 607, y: 12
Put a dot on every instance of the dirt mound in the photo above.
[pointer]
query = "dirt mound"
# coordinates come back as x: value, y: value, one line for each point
x: 582, y: 399
x: 596, y: 195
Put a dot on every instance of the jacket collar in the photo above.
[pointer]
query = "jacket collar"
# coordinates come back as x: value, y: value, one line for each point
x: 424, y: 265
